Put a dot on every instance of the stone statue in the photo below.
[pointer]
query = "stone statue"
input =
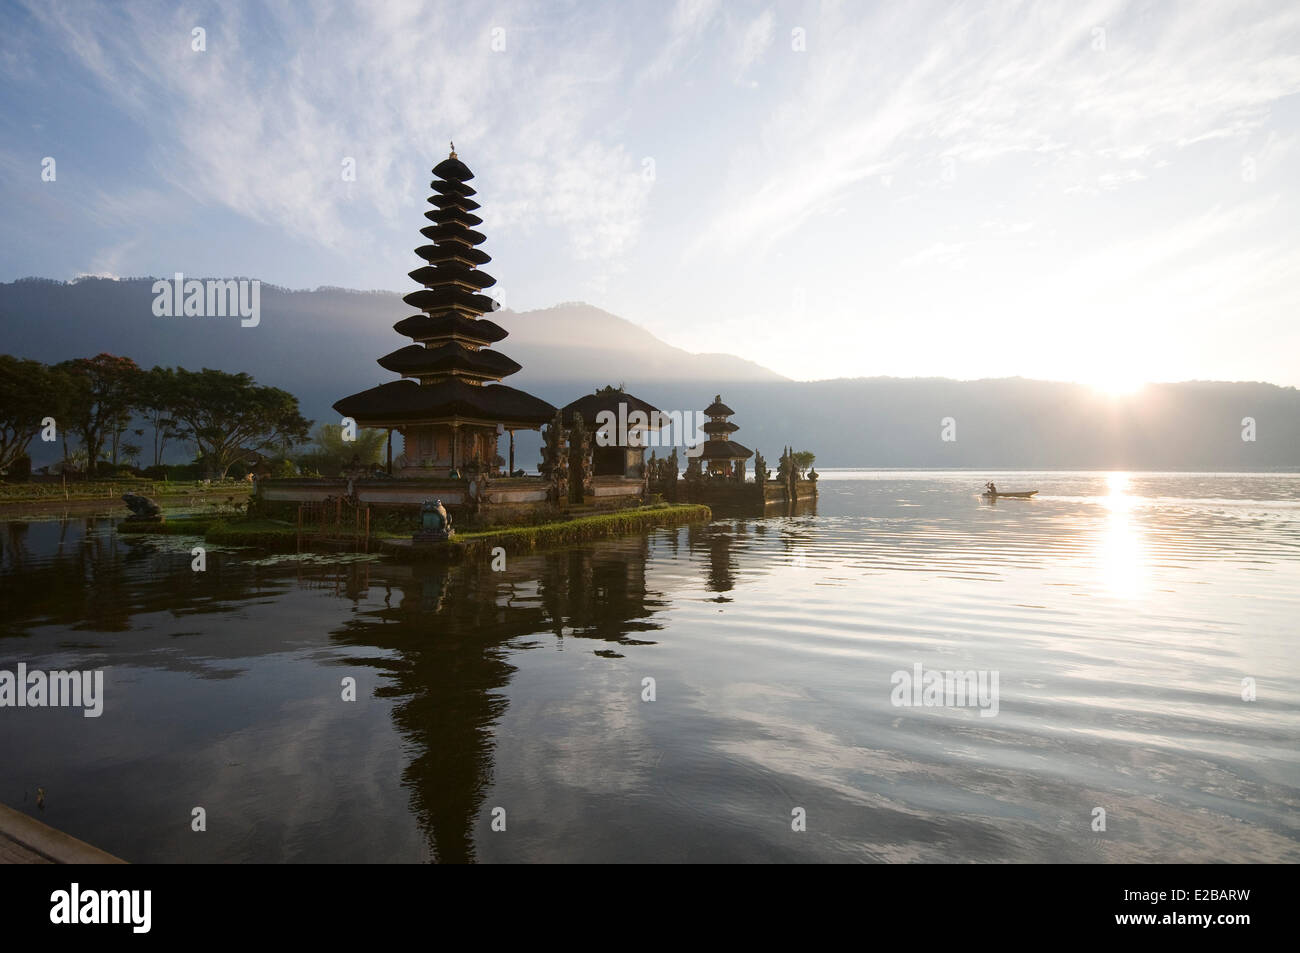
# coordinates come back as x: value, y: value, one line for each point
x: 478, y: 487
x: 694, y: 475
x: 142, y: 510
x: 435, y: 523
x: 580, y: 461
x: 555, y: 461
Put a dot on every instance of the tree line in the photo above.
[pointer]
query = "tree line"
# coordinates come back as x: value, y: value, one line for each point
x: 99, y: 401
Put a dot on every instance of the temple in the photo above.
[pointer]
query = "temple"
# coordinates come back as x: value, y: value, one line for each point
x: 450, y: 409
x: 449, y: 406
x: 722, y: 455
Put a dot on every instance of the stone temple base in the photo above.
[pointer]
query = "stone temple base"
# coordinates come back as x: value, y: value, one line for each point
x: 508, y: 496
x: 432, y: 536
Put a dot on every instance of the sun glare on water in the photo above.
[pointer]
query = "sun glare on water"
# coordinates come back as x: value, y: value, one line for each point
x: 1120, y: 551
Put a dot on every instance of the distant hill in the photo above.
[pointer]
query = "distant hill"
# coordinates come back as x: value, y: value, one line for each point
x: 560, y: 341
x: 322, y: 345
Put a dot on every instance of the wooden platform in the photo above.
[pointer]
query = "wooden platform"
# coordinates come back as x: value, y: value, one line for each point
x: 25, y: 840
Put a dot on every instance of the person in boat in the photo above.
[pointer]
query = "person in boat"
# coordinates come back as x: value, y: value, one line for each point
x: 993, y: 490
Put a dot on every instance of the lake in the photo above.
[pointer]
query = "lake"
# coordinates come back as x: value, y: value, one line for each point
x: 1134, y: 636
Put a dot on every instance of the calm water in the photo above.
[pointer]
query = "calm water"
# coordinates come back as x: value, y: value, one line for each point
x: 1120, y: 613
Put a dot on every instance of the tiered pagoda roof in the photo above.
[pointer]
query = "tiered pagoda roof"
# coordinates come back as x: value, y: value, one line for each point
x: 450, y: 358
x: 719, y: 446
x: 725, y: 450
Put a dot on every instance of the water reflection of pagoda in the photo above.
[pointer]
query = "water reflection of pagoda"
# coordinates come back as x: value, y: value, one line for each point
x: 716, y: 541
x: 447, y: 637
x: 445, y: 408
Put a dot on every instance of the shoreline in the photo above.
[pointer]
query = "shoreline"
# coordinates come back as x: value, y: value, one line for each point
x: 105, y: 498
x: 280, y: 536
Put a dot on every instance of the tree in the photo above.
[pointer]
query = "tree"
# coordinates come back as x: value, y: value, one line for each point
x: 29, y: 392
x: 803, y: 459
x: 330, y: 453
x: 230, y: 417
x: 74, y: 462
x: 101, y: 393
x: 156, y: 395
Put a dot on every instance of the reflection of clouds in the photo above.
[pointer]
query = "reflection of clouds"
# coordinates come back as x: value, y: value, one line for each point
x: 858, y: 795
x: 286, y: 771
x: 281, y: 784
x: 934, y: 788
x: 602, y: 725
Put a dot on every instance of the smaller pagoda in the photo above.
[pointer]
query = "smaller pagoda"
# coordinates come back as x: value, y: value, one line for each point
x: 721, y: 455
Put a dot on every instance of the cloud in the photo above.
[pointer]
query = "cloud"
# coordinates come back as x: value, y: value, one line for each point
x: 940, y: 253
x: 686, y: 25
x: 898, y: 89
x: 598, y: 195
x: 755, y: 38
x: 262, y: 120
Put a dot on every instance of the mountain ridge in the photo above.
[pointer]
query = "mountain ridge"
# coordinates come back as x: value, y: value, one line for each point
x: 322, y: 344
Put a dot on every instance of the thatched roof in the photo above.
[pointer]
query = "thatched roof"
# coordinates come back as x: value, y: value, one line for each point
x: 452, y: 273
x: 423, y: 327
x: 406, y: 401
x: 718, y: 409
x: 451, y: 188
x: 725, y: 450
x: 449, y: 296
x: 453, y: 216
x: 453, y: 201
x: 453, y: 170
x: 417, y: 359
x: 452, y: 232
x: 590, y: 405
x: 434, y: 254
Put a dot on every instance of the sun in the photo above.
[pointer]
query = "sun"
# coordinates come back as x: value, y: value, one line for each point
x: 1116, y: 385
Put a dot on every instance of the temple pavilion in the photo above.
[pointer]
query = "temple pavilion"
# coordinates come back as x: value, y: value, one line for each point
x: 722, y: 455
x: 449, y: 406
x: 615, y: 454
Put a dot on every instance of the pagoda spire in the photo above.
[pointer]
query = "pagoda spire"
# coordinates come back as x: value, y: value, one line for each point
x: 719, y: 427
x: 453, y: 338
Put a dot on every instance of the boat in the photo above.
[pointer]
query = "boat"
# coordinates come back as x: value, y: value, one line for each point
x: 1022, y: 495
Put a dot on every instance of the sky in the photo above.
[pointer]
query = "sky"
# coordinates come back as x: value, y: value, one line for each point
x: 1104, y: 192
